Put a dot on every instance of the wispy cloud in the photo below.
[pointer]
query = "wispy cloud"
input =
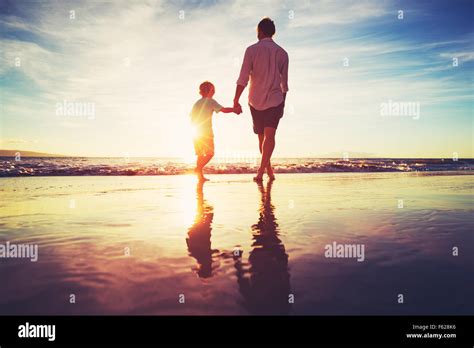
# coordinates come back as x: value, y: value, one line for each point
x: 140, y: 64
x: 18, y: 142
x: 328, y: 13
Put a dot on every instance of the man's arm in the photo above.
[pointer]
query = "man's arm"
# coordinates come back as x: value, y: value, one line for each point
x: 284, y: 76
x: 243, y: 77
x: 238, y: 92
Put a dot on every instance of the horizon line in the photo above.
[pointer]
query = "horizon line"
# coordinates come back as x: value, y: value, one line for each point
x: 38, y: 154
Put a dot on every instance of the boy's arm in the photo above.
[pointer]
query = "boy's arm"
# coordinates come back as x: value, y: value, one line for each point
x: 228, y: 110
x: 220, y: 108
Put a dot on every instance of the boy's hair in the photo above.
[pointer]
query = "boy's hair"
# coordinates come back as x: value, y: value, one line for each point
x: 267, y: 27
x: 206, y: 87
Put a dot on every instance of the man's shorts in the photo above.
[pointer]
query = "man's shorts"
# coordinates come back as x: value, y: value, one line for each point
x: 266, y: 118
x: 204, y: 145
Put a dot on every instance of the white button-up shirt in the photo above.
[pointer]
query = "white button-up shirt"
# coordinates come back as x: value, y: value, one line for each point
x: 266, y: 64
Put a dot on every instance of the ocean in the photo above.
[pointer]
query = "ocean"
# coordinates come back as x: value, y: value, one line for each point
x: 78, y: 166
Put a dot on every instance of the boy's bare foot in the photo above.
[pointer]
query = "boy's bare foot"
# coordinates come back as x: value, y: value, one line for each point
x: 200, y: 175
x: 258, y: 178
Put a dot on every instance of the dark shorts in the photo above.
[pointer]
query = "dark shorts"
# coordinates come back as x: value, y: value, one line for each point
x: 266, y: 118
x: 204, y: 145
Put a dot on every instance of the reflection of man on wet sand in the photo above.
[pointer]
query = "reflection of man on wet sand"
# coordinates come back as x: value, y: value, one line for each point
x: 199, y: 235
x: 266, y: 290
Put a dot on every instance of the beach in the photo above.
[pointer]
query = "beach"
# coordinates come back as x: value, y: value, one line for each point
x: 165, y: 245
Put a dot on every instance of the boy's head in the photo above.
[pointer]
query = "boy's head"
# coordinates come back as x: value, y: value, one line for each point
x: 266, y: 28
x: 206, y: 89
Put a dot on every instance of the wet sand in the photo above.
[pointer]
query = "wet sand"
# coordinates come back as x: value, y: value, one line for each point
x: 167, y: 245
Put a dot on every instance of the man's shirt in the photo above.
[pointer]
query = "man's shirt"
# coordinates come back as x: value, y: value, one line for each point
x: 266, y: 65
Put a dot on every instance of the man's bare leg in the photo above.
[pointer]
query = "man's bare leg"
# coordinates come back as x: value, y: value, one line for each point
x: 269, y: 168
x: 267, y: 149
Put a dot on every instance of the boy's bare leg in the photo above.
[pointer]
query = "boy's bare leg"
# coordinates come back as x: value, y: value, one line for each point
x: 267, y: 149
x: 206, y: 159
x: 201, y: 162
x: 199, y: 166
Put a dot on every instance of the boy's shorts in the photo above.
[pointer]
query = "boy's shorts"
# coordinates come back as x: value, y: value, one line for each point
x: 266, y: 118
x: 204, y: 145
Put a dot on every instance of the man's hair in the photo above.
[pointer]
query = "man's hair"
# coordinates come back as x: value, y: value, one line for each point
x: 206, y: 87
x: 267, y: 27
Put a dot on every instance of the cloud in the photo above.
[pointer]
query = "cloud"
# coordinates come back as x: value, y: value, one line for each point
x: 463, y: 57
x: 18, y: 142
x: 140, y: 63
x: 329, y: 13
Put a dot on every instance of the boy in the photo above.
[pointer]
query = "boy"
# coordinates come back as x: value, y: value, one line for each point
x: 201, y: 118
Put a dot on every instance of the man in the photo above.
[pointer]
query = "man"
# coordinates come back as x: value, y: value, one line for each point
x: 266, y: 65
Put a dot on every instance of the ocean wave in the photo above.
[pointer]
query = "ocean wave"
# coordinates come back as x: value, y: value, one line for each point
x: 79, y: 166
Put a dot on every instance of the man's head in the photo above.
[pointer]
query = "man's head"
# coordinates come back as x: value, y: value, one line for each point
x: 266, y: 28
x: 206, y: 89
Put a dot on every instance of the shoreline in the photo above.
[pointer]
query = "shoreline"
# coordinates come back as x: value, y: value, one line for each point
x: 416, y: 173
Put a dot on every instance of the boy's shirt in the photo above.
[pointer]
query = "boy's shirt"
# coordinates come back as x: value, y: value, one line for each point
x: 201, y: 115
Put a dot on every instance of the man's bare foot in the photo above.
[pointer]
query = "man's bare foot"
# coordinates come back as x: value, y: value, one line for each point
x: 270, y: 174
x: 259, y: 176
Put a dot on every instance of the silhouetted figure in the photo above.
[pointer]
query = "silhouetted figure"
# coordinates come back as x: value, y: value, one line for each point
x: 266, y: 286
x: 201, y: 118
x: 265, y: 70
x: 199, y: 235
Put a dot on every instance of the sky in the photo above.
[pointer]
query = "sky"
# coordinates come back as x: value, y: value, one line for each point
x: 118, y: 78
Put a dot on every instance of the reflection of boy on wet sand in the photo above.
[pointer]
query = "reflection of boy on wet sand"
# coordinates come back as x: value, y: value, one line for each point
x: 199, y: 235
x: 267, y: 289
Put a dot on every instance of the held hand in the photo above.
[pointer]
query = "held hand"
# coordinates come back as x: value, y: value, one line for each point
x: 238, y: 109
